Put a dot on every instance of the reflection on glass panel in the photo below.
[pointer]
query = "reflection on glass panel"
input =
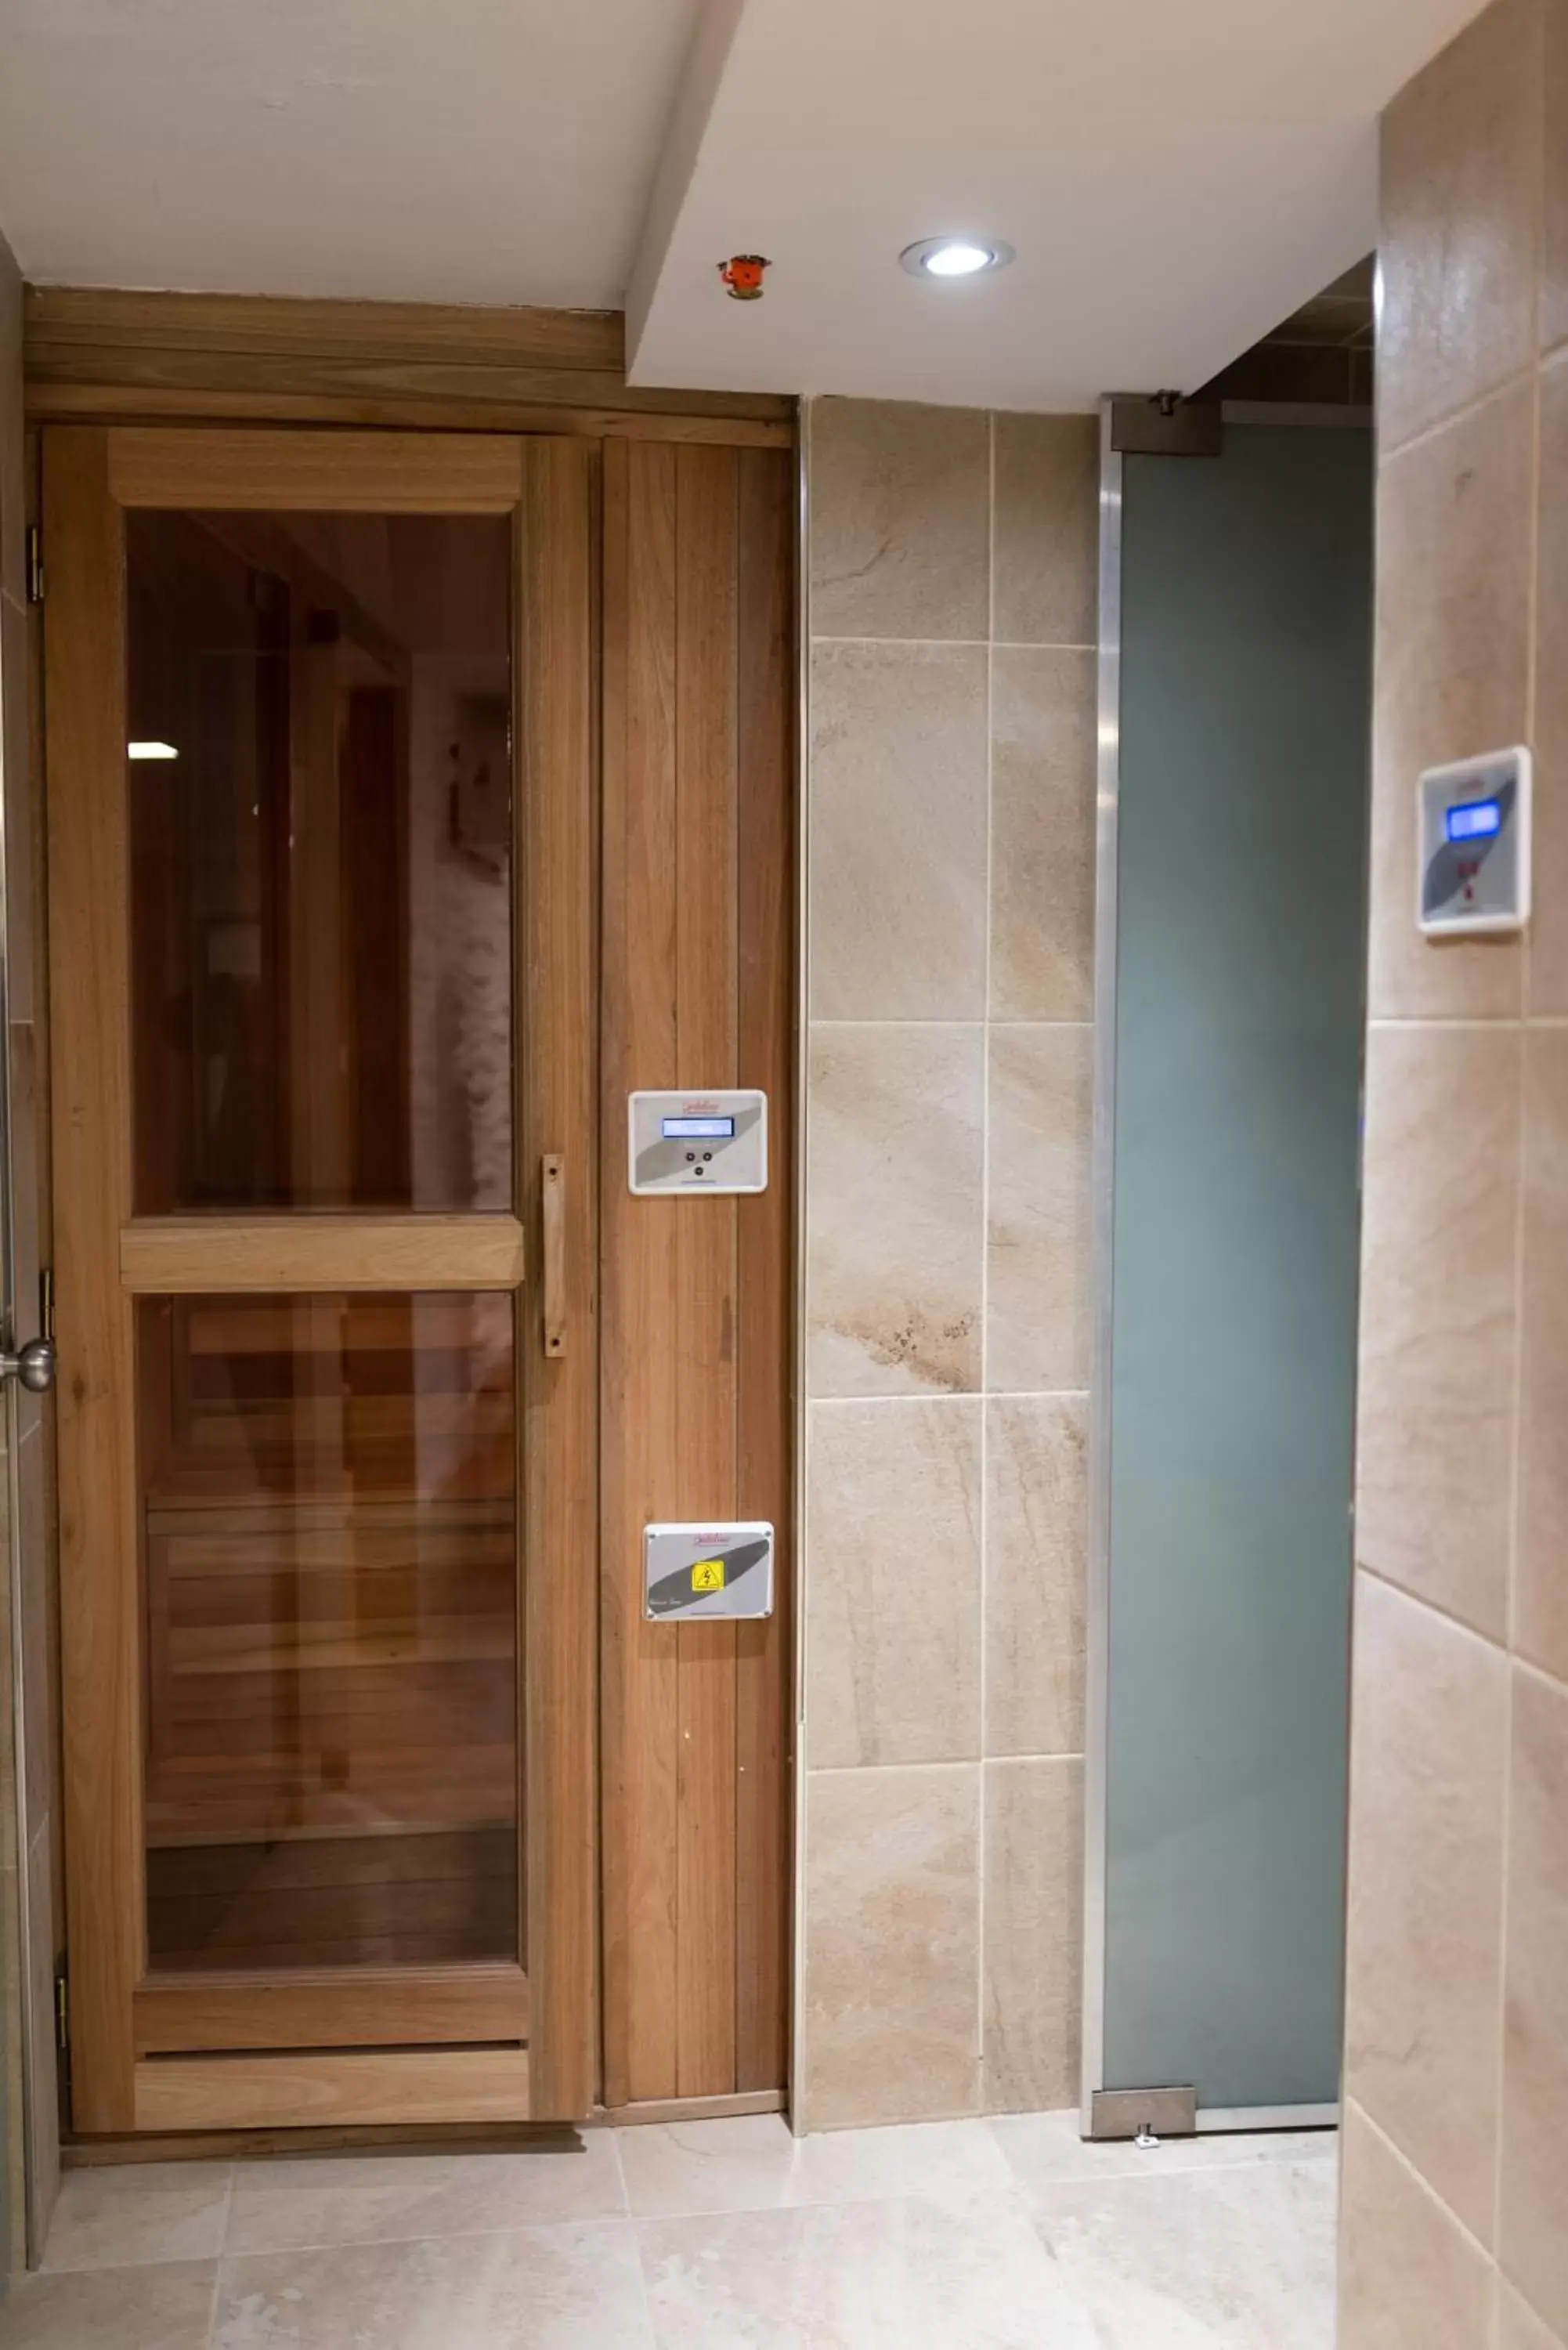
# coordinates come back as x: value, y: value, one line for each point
x: 319, y: 771
x: 327, y: 1495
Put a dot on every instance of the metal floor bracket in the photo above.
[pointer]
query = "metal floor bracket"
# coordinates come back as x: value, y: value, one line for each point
x: 1144, y: 2112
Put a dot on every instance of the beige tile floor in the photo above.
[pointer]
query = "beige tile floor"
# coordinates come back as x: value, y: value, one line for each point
x: 1003, y: 2235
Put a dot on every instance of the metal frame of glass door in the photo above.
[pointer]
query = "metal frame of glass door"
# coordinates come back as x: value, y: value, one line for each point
x: 1107, y: 789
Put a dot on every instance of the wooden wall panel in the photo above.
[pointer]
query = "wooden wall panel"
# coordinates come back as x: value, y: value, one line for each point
x: 93, y: 352
x: 766, y: 864
x: 89, y: 956
x: 698, y: 992
x: 558, y: 977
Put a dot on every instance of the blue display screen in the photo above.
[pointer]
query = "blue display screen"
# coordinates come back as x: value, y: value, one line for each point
x: 697, y: 1129
x: 1475, y: 820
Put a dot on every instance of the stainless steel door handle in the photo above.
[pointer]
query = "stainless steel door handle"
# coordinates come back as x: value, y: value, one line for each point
x: 32, y: 1364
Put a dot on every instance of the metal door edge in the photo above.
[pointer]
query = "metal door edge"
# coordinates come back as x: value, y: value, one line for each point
x: 1097, y: 1625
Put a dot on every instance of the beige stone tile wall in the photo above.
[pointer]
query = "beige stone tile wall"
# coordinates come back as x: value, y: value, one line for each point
x: 1454, y: 2208
x: 949, y: 990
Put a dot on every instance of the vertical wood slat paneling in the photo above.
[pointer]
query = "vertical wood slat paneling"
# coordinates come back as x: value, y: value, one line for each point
x: 705, y: 1299
x: 639, y: 1725
x: 697, y: 992
x: 556, y: 1078
x: 89, y: 972
x: 765, y: 762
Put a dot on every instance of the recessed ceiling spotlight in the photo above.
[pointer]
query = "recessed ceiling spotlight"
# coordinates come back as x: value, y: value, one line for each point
x: 955, y: 257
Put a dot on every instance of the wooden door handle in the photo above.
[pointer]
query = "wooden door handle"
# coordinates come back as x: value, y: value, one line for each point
x: 553, y: 1222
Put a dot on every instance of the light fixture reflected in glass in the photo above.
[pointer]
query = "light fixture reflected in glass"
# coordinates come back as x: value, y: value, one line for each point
x: 150, y: 751
x: 955, y: 257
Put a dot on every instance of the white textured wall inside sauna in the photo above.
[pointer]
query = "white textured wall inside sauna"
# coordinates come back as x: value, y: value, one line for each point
x: 949, y: 928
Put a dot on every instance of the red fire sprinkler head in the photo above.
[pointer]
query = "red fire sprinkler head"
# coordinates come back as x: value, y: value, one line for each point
x: 742, y: 277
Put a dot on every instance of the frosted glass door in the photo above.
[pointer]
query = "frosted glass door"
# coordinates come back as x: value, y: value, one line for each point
x: 1245, y: 684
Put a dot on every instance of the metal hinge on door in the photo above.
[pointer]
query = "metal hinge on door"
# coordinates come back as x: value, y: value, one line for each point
x: 62, y: 2013
x: 35, y: 564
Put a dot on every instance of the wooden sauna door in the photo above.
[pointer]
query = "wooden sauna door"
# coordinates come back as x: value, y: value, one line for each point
x: 321, y: 878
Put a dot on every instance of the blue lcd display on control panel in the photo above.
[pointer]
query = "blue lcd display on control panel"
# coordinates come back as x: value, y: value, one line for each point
x: 697, y: 1129
x: 1474, y: 820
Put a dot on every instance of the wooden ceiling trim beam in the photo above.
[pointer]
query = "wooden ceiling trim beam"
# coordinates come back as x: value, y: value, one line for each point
x: 105, y: 317
x: 101, y: 354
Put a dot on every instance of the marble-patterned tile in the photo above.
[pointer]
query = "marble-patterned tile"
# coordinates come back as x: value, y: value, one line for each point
x: 895, y: 1240
x: 899, y: 519
x: 892, y: 1945
x: 165, y: 2307
x: 1434, y: 1467
x: 1039, y: 1270
x: 1517, y: 2326
x: 1046, y: 557
x: 1461, y: 176
x: 12, y: 517
x: 370, y: 2199
x: 950, y: 2160
x: 893, y: 1607
x: 1045, y: 2149
x: 1540, y: 1570
x: 138, y: 2211
x: 1532, y: 2225
x: 1553, y: 316
x: 1237, y: 2258
x: 548, y: 2288
x: 1042, y: 835
x: 1033, y: 1954
x: 898, y: 892
x: 1452, y: 667
x: 681, y: 2170
x: 1547, y: 962
x: 1408, y: 2272
x: 1036, y: 1567
x: 924, y: 2272
x: 1424, y: 1968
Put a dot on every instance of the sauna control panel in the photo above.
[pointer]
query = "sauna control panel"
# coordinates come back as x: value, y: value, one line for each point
x: 698, y: 1142
x: 697, y: 1571
x: 1473, y: 827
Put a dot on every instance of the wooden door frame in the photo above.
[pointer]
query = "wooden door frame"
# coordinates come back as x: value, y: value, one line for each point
x: 549, y: 486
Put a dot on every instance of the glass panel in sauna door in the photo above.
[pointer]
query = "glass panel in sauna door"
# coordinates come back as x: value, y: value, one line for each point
x: 320, y: 823
x: 328, y: 1531
x: 320, y: 843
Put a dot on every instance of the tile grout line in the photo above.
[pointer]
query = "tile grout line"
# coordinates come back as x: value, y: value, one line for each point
x: 975, y: 1761
x: 1422, y: 2181
x: 222, y: 2255
x: 1491, y: 1024
x: 967, y: 1020
x: 979, y: 2092
x: 1497, y: 1642
x: 967, y: 1395
x: 633, y: 2221
x: 966, y: 644
x: 1516, y: 378
x: 506, y: 2231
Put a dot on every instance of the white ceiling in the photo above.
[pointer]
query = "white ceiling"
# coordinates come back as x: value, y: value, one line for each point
x: 439, y: 150
x: 1176, y: 177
